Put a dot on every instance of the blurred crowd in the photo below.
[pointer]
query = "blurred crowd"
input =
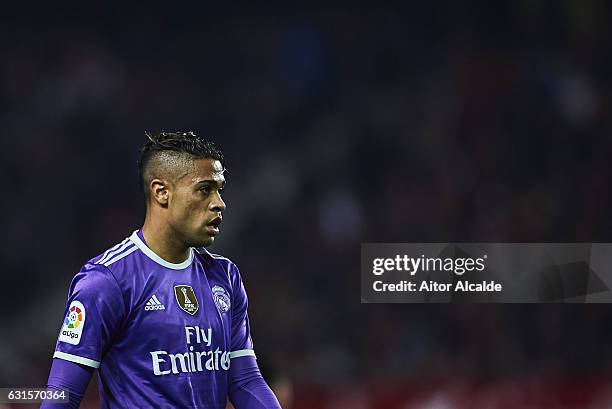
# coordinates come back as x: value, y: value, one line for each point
x: 453, y: 121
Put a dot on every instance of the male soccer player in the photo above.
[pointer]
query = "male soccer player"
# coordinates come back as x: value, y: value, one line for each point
x: 163, y: 320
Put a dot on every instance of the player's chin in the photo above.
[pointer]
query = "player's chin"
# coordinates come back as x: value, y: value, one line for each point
x: 209, y: 241
x: 206, y: 239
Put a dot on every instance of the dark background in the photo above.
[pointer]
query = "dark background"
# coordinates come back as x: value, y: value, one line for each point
x: 342, y: 124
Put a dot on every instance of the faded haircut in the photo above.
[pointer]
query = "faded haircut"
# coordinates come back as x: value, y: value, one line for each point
x: 167, y: 149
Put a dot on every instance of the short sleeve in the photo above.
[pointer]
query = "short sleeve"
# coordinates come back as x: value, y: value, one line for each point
x: 242, y: 344
x: 94, y: 313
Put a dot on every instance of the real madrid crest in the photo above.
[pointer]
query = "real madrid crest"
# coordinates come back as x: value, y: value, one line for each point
x: 186, y: 298
x: 222, y: 300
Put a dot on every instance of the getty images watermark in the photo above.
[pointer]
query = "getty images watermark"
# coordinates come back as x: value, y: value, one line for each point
x: 486, y: 272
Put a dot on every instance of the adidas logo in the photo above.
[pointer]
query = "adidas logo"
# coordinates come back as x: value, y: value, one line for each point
x: 154, y: 304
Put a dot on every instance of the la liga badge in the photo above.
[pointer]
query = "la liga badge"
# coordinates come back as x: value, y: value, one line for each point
x: 73, y: 324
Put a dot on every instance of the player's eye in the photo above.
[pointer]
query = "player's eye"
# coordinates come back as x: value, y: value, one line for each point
x: 221, y: 190
x: 205, y: 189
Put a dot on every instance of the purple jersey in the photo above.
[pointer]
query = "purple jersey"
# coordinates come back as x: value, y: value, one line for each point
x: 162, y: 334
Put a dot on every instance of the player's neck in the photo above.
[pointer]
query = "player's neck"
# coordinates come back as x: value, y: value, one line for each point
x: 160, y: 240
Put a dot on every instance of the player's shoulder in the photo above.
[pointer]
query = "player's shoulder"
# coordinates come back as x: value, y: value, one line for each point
x: 217, y: 261
x: 213, y: 257
x: 114, y: 254
x: 94, y: 276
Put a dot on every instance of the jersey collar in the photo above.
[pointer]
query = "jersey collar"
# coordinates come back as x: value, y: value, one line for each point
x: 149, y: 253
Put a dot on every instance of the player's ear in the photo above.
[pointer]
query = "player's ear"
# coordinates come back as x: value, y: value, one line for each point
x: 159, y: 192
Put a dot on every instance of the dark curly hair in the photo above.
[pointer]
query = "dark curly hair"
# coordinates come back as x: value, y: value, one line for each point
x: 173, y: 146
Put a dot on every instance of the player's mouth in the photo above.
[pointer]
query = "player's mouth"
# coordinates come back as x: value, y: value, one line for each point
x: 213, y: 226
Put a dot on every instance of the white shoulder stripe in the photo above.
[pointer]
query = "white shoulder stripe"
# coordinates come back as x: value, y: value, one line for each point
x: 115, y: 247
x: 242, y: 352
x: 120, y: 256
x: 111, y: 253
x: 219, y: 256
x: 77, y: 359
x: 115, y: 252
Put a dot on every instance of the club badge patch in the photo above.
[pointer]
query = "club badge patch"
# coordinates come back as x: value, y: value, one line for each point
x: 186, y: 298
x: 74, y: 321
x: 222, y: 300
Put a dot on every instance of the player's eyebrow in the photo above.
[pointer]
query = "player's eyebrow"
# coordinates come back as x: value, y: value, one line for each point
x: 210, y: 182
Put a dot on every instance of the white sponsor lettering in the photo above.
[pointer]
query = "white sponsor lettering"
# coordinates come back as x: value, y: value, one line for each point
x: 156, y: 361
x: 200, y: 335
x: 165, y: 363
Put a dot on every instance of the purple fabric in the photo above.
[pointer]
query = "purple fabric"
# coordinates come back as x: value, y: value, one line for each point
x: 162, y: 334
x: 248, y: 389
x: 68, y: 376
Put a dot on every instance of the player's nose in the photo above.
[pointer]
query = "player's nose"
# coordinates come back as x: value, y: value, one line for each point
x: 217, y: 204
